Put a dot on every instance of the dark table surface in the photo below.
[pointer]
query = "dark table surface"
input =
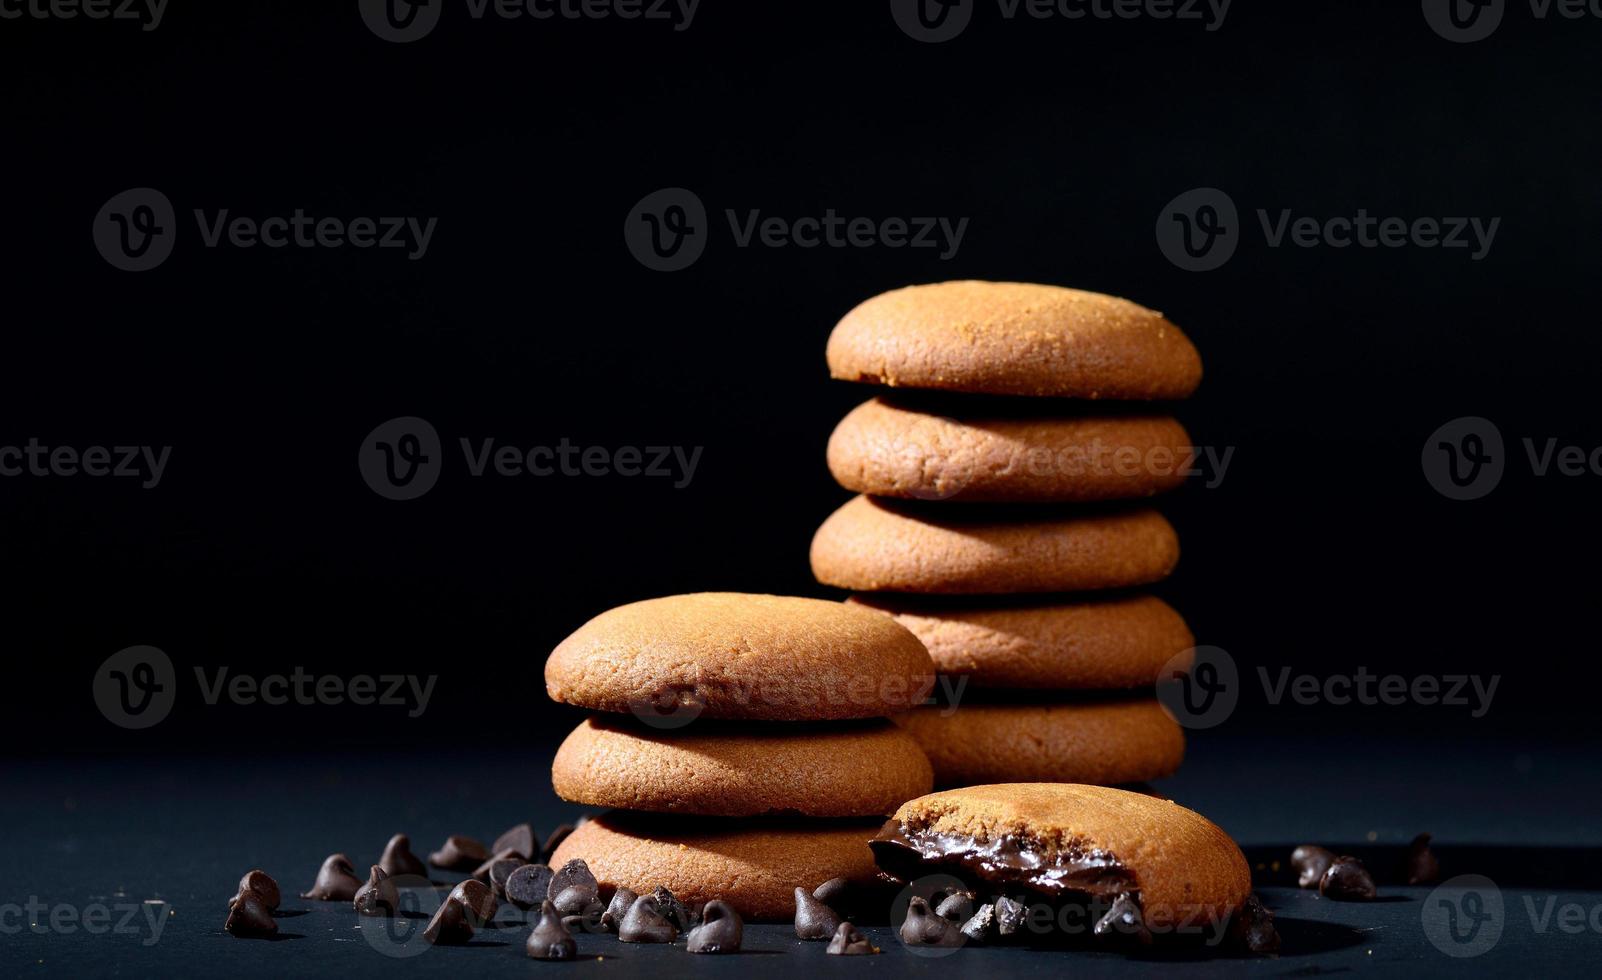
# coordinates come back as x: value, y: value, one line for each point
x: 122, y: 866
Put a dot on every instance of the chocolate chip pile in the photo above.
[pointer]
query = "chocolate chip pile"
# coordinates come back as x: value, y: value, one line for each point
x: 564, y: 900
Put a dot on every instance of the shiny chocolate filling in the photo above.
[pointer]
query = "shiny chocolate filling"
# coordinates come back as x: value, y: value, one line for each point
x: 1001, y: 863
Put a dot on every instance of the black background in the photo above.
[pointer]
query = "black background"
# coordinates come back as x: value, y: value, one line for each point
x: 529, y: 321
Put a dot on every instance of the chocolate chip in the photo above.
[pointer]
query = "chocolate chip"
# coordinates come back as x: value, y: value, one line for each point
x: 398, y: 858
x: 1422, y: 866
x: 459, y: 854
x: 450, y: 925
x: 1311, y: 861
x: 519, y: 840
x: 924, y: 928
x: 527, y: 886
x: 834, y: 893
x: 1347, y: 881
x: 336, y: 881
x: 550, y: 939
x: 644, y: 924
x: 379, y: 896
x: 1010, y: 915
x: 477, y: 899
x: 622, y: 900
x: 573, y: 888
x: 1253, y: 927
x: 978, y: 926
x: 720, y: 931
x: 262, y: 884
x: 1123, y: 919
x: 813, y: 919
x: 249, y: 916
x: 554, y: 841
x: 500, y: 871
x: 482, y: 872
x: 672, y: 909
x: 956, y: 907
x: 849, y: 941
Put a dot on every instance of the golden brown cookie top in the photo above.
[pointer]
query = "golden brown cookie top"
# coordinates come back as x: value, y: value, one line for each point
x: 1179, y: 860
x: 1012, y: 338
x: 740, y: 656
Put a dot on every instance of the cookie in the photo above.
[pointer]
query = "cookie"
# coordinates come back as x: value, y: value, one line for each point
x: 841, y: 770
x: 756, y: 866
x: 888, y: 448
x: 1097, y: 644
x: 738, y: 656
x: 1102, y: 742
x: 873, y: 545
x: 1014, y: 338
x: 1069, y: 842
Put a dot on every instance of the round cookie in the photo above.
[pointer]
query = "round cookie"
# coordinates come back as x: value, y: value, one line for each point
x: 1102, y: 742
x: 1100, y: 841
x: 873, y: 545
x: 1100, y: 644
x: 1014, y: 338
x: 739, y: 656
x: 846, y: 770
x: 754, y: 866
x: 888, y: 449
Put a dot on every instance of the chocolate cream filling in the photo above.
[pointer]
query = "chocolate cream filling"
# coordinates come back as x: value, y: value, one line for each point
x: 1002, y: 864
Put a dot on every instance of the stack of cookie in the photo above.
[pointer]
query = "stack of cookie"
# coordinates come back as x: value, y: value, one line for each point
x: 744, y: 744
x: 995, y: 522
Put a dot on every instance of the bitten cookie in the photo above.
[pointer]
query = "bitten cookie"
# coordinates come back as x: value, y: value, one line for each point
x: 1103, y: 742
x: 843, y: 770
x: 1071, y: 842
x: 754, y: 866
x: 873, y: 545
x: 1013, y: 338
x: 738, y: 656
x: 1100, y: 644
x: 889, y: 449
